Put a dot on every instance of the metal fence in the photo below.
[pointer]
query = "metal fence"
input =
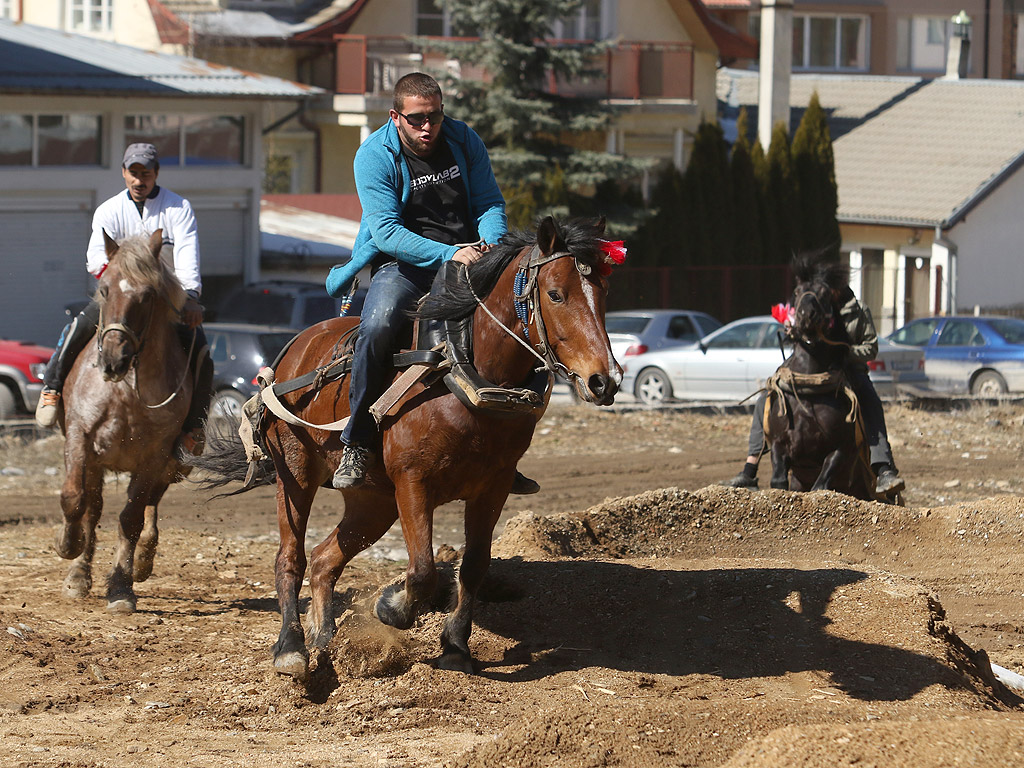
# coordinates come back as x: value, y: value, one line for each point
x: 725, y: 292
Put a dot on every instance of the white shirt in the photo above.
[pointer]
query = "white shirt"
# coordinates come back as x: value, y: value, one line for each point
x: 172, y: 213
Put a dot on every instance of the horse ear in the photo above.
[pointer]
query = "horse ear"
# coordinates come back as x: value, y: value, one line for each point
x: 109, y: 245
x: 548, y: 237
x: 156, y: 242
x: 601, y: 222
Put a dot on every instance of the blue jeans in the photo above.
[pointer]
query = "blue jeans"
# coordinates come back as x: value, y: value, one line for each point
x: 393, y: 293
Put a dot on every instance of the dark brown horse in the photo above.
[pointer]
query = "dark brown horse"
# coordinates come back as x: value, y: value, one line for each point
x: 125, y: 401
x: 811, y: 424
x: 435, y: 449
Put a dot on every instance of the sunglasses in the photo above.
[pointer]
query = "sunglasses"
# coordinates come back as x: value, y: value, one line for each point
x: 417, y: 119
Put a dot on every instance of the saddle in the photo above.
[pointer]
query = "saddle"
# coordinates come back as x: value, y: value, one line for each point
x: 786, y: 380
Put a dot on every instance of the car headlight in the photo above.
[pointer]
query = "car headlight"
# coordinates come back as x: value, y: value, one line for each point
x: 37, y: 370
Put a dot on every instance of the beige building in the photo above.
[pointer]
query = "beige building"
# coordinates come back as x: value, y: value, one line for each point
x: 892, y: 37
x: 660, y: 72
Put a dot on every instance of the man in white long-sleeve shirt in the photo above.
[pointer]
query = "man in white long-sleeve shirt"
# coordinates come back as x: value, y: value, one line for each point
x: 142, y: 209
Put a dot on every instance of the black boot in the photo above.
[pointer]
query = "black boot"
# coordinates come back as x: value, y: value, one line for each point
x: 888, y: 481
x: 193, y: 437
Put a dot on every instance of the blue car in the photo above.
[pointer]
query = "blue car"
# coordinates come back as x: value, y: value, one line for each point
x: 965, y: 354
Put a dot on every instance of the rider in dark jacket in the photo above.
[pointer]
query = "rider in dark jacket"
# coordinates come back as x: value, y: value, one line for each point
x: 860, y: 329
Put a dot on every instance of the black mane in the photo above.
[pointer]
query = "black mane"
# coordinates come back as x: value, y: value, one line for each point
x: 581, y: 236
x: 817, y: 267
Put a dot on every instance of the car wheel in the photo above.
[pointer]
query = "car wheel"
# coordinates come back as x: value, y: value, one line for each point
x: 653, y: 387
x: 8, y: 403
x: 988, y: 384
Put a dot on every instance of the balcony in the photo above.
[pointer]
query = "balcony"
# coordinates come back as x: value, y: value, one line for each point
x: 368, y: 68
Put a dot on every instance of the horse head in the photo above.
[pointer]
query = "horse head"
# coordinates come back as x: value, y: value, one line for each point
x: 133, y: 289
x: 569, y: 307
x: 818, y: 281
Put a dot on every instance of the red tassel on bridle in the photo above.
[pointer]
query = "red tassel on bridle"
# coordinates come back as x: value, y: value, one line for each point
x: 614, y: 253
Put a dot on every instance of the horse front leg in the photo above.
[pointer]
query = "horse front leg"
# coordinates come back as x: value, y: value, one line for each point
x: 829, y: 468
x: 145, y: 550
x: 399, y: 606
x: 121, y: 596
x: 368, y: 516
x: 81, y: 498
x: 481, y: 516
x: 293, y: 504
x: 78, y: 582
x: 780, y: 466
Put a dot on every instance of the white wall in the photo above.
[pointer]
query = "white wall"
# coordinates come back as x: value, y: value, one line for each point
x: 990, y: 248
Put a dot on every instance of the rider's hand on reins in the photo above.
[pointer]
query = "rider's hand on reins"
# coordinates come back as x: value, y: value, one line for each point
x: 469, y: 254
x: 192, y: 313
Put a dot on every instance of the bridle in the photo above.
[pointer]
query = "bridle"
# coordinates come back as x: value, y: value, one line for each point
x: 821, y: 337
x: 526, y: 298
x: 138, y: 341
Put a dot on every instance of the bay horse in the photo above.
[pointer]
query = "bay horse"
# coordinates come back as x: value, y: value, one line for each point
x: 434, y: 448
x: 125, y: 401
x: 811, y: 418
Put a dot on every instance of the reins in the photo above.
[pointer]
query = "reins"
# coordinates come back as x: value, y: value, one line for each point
x: 526, y: 297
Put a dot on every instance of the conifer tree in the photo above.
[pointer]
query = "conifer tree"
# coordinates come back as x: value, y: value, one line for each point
x: 707, y: 233
x: 746, y: 200
x: 781, y: 199
x: 532, y: 135
x: 814, y: 168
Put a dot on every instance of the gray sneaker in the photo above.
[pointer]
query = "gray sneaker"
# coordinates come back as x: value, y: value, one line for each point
x: 47, y: 408
x: 741, y: 481
x: 351, y: 472
x: 889, y: 482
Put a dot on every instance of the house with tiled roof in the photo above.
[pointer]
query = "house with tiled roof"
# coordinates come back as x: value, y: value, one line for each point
x: 659, y: 71
x: 930, y: 195
x: 70, y: 105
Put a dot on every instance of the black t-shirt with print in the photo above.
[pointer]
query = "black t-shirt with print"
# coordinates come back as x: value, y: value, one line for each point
x: 438, y: 208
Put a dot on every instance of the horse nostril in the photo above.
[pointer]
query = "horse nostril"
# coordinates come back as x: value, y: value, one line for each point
x: 601, y: 386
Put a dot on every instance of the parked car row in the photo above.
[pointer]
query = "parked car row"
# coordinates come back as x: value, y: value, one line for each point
x: 733, y: 362
x: 21, y: 377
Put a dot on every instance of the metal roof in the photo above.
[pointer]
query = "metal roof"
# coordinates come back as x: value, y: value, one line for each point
x: 38, y: 60
x: 930, y: 158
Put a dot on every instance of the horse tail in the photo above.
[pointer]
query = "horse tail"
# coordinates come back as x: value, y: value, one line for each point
x: 225, y: 461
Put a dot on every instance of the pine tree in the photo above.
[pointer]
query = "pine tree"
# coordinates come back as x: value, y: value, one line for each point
x: 746, y: 200
x: 647, y: 248
x: 532, y: 135
x: 707, y: 228
x: 814, y: 168
x: 781, y: 198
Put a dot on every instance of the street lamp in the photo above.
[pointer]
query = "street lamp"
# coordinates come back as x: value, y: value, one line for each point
x: 962, y: 25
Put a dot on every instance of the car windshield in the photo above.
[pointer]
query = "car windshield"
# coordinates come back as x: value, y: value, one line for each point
x: 261, y: 307
x: 633, y: 324
x: 745, y: 336
x: 1011, y: 329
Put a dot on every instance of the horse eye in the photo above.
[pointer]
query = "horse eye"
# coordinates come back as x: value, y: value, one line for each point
x: 555, y: 296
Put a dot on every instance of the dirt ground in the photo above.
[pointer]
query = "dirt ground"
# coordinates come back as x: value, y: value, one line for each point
x: 635, y: 614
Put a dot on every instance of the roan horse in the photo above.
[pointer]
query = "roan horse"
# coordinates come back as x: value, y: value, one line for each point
x: 125, y: 401
x: 434, y: 448
x: 811, y: 418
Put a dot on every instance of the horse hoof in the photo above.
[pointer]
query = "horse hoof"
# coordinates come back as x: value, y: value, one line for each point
x: 76, y: 587
x: 142, y: 570
x: 292, y: 664
x: 456, y: 662
x: 388, y: 609
x: 121, y: 605
x: 69, y: 545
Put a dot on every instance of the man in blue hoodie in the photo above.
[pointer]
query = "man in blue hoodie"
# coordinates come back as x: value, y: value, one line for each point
x: 429, y: 197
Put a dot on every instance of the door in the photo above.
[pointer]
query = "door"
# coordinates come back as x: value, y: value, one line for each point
x: 955, y: 356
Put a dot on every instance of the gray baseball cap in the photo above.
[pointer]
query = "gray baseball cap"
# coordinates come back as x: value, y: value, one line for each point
x: 143, y: 154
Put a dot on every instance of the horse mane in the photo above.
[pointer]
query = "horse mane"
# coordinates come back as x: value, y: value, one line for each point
x: 456, y: 300
x: 136, y: 264
x: 818, y: 267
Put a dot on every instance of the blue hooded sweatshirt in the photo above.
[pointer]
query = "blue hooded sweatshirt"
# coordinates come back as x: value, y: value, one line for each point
x: 383, y: 183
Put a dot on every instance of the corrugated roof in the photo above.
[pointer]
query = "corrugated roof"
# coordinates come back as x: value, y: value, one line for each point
x: 930, y: 158
x: 207, y: 18
x: 40, y: 60
x: 288, y: 229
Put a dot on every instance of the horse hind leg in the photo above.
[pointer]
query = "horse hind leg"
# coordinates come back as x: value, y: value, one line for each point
x: 481, y: 516
x: 829, y: 467
x: 367, y: 517
x: 145, y: 549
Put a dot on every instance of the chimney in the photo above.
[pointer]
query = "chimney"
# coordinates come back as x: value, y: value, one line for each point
x: 959, y: 47
x: 776, y: 64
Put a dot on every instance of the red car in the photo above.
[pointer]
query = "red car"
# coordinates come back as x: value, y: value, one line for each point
x: 21, y: 377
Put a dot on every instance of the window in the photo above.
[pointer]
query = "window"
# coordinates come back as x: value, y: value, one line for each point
x: 190, y: 139
x: 431, y: 19
x: 681, y: 327
x: 834, y: 43
x: 50, y: 140
x: 1011, y: 329
x: 921, y: 43
x: 1019, y: 58
x: 960, y: 333
x: 90, y: 15
x: 917, y: 333
x: 7, y: 9
x: 583, y: 24
x: 744, y: 336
